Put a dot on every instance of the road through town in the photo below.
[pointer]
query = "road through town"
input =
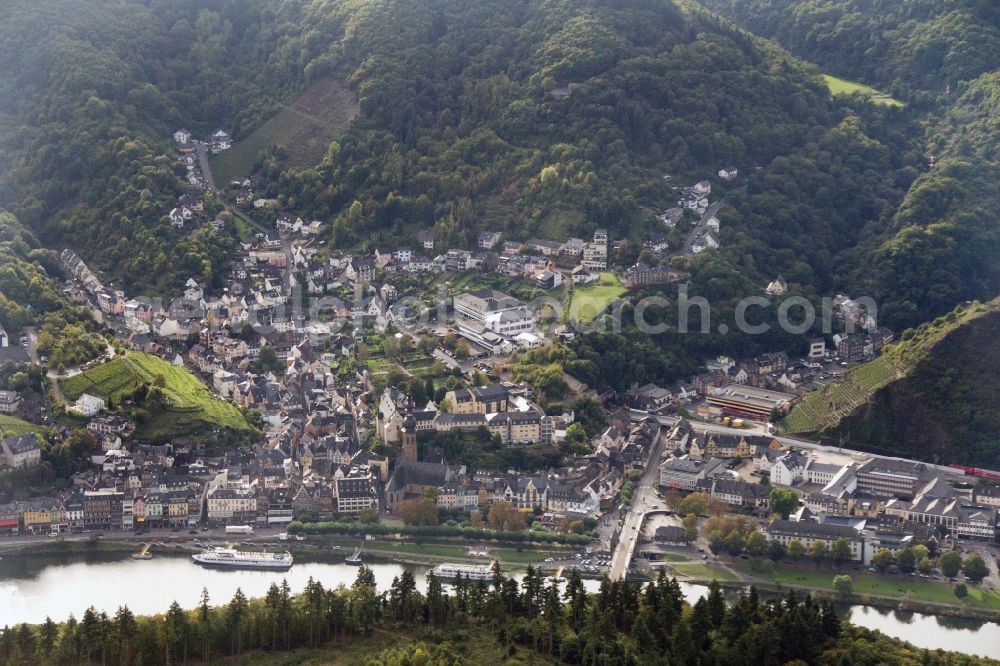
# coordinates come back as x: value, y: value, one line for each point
x: 643, y: 501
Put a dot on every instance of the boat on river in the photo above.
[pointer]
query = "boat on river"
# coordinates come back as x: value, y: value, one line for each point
x: 472, y: 572
x: 230, y: 558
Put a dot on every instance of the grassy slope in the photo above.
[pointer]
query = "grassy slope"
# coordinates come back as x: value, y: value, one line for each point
x: 590, y: 301
x: 10, y: 426
x: 193, y: 406
x: 305, y: 129
x: 840, y: 86
x: 824, y: 408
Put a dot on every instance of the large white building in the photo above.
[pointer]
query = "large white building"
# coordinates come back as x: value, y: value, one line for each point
x: 479, y: 305
x: 788, y: 470
x: 807, y: 533
x: 481, y: 313
x: 89, y: 405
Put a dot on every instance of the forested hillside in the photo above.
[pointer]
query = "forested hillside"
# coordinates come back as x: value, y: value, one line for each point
x: 944, y: 409
x: 90, y: 93
x: 915, y: 48
x: 31, y: 294
x: 538, y: 119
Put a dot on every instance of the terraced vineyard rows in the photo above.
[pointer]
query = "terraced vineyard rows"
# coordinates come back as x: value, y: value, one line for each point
x: 192, y: 406
x: 825, y: 407
x: 111, y: 381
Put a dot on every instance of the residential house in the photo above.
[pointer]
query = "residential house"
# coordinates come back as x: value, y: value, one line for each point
x: 20, y: 451
x: 10, y: 401
x: 582, y: 275
x: 88, y: 405
x: 706, y: 241
x: 789, y: 469
x: 548, y: 279
x: 426, y: 239
x: 488, y: 240
x: 649, y: 397
x: 777, y: 287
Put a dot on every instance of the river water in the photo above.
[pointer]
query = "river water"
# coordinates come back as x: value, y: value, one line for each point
x: 36, y: 587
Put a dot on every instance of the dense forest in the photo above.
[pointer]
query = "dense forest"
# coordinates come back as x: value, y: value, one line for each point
x: 90, y: 95
x: 916, y: 49
x: 500, y: 621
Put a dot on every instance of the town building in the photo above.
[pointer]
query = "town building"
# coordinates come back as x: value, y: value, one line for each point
x: 685, y: 472
x: 9, y: 402
x: 19, y: 451
x: 643, y: 274
x: 789, y: 469
x: 88, y: 405
x: 808, y: 532
x: 487, y: 399
x: 736, y: 493
x: 748, y: 402
x: 886, y: 477
x: 355, y: 494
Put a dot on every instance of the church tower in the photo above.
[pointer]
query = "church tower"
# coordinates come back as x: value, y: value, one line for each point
x: 409, y: 437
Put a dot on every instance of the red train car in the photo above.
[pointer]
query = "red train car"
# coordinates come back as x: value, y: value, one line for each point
x: 975, y: 471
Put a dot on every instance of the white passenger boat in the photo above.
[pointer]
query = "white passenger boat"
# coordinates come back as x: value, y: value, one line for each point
x: 229, y: 558
x: 473, y: 572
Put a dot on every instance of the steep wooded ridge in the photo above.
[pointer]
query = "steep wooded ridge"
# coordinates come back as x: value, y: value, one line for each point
x: 942, y: 57
x: 944, y: 409
x: 937, y: 247
x: 914, y: 48
x: 90, y: 93
x: 925, y: 397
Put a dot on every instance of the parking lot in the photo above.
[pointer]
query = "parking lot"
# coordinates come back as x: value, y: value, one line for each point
x: 585, y: 563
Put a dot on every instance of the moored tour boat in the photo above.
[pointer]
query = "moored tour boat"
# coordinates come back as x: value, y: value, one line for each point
x: 474, y: 572
x: 229, y: 558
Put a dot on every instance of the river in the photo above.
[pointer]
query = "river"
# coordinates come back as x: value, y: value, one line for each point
x: 56, y: 586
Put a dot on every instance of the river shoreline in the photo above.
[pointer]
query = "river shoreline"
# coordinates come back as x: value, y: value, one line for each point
x: 324, y: 554
x: 59, y: 580
x: 884, y: 603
